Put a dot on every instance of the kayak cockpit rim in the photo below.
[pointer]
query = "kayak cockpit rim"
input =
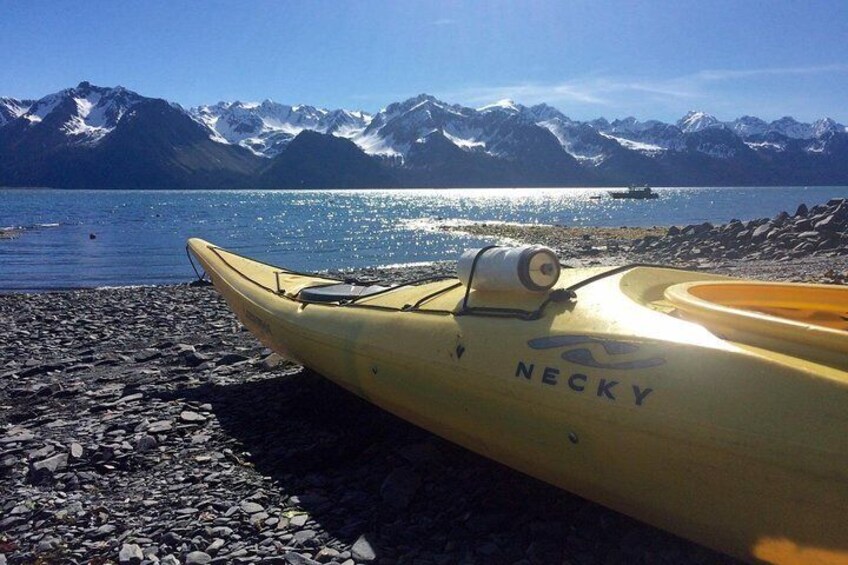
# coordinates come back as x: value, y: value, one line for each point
x: 559, y: 295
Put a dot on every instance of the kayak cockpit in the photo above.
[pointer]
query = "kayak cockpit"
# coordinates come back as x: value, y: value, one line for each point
x: 804, y: 320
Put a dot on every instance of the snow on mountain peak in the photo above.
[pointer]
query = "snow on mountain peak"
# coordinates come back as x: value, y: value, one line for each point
x: 696, y: 121
x: 12, y: 108
x: 505, y: 104
x: 85, y: 113
x: 267, y: 127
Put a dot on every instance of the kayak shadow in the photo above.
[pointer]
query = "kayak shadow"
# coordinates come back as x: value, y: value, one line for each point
x: 358, y: 470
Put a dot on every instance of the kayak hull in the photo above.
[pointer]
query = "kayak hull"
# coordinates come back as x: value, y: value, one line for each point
x: 738, y: 448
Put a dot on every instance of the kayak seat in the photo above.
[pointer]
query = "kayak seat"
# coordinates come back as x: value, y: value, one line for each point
x: 338, y: 292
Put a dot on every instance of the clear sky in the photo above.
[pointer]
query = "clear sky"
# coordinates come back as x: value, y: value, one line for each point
x: 587, y: 58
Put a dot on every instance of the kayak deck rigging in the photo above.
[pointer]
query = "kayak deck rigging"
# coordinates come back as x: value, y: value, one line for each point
x: 357, y: 296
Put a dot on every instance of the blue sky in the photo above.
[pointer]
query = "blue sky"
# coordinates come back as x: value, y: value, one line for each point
x: 587, y: 58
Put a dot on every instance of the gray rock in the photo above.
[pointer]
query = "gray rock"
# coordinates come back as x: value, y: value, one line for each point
x: 130, y: 398
x: 146, y: 443
x: 760, y: 232
x: 160, y: 426
x: 198, y: 558
x: 130, y: 554
x: 273, y: 361
x: 215, y: 546
x: 327, y: 554
x: 76, y: 451
x: 48, y: 543
x: 362, y: 550
x: 52, y: 464
x: 295, y: 558
x: 222, y: 531
x: 303, y: 536
x: 106, y: 530
x: 829, y: 223
x: 231, y: 359
x: 299, y: 520
x: 258, y: 518
x: 251, y: 507
x: 191, y: 416
x: 7, y: 462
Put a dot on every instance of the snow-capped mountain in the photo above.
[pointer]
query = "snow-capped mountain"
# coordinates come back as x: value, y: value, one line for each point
x: 95, y: 136
x: 501, y: 129
x: 395, y: 129
x: 266, y: 128
x: 696, y: 121
x: 90, y: 136
x: 84, y: 114
x: 12, y: 108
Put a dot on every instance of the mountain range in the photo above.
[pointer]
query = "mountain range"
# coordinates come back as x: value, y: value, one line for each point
x: 97, y: 137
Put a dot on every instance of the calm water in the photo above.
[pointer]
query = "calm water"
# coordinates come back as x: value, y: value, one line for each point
x: 141, y: 234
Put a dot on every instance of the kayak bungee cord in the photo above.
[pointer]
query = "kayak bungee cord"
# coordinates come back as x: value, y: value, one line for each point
x: 200, y: 277
x: 555, y: 296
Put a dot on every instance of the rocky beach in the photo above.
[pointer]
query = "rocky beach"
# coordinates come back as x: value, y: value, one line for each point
x: 146, y: 425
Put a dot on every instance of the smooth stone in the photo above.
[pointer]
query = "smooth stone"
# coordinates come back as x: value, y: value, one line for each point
x: 198, y: 558
x: 191, y: 416
x: 299, y: 520
x: 130, y: 398
x: 76, y: 451
x: 106, y: 529
x: 251, y: 507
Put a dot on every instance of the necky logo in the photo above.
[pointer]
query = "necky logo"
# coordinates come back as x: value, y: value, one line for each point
x: 584, y: 356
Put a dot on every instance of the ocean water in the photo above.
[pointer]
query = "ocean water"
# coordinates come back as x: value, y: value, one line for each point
x: 140, y: 235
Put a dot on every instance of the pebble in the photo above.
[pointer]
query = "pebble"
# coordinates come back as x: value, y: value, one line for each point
x: 191, y: 416
x: 198, y: 558
x: 251, y: 507
x: 76, y: 451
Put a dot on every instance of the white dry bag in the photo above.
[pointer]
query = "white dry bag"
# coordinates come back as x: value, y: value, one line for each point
x: 513, y: 269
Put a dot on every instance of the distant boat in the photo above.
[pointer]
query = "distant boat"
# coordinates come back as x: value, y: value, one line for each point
x: 636, y: 192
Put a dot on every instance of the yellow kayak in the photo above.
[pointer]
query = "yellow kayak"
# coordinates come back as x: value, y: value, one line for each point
x: 714, y: 408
